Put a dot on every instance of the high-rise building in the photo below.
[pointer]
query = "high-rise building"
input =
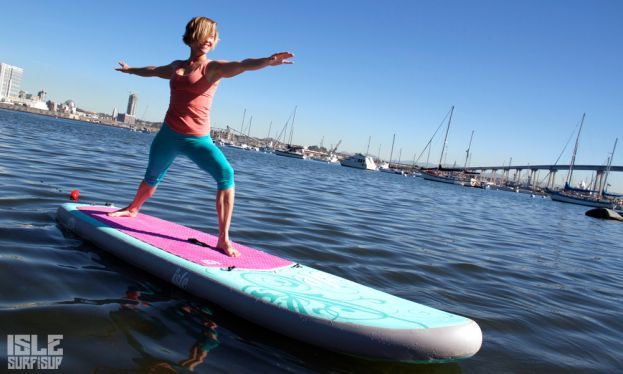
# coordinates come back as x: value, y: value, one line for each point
x: 10, y: 80
x: 132, y: 104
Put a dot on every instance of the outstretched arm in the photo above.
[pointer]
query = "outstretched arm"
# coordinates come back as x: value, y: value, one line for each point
x: 164, y: 72
x: 228, y: 69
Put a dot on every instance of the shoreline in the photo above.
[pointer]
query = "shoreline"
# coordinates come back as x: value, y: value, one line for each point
x: 76, y: 117
x: 215, y: 133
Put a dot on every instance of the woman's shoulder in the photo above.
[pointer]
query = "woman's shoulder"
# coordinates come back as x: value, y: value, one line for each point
x: 211, y: 69
x: 214, y: 64
x: 176, y: 63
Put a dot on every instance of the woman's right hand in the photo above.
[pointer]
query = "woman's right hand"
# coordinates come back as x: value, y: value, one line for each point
x: 124, y: 68
x: 280, y: 58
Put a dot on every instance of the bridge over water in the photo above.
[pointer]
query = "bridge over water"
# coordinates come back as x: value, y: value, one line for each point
x: 598, y: 184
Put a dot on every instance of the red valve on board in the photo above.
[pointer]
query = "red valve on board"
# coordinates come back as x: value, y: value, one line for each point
x: 74, y: 195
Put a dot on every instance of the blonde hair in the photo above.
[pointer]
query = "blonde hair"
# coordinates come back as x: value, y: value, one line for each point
x: 200, y: 29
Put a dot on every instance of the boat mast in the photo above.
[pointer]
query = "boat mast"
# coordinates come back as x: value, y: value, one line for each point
x: 292, y: 124
x: 605, y: 185
x: 468, y: 148
x: 392, y: 151
x: 446, y: 137
x: 249, y: 130
x: 575, y: 150
x: 368, y: 150
x: 428, y: 157
x: 244, y: 114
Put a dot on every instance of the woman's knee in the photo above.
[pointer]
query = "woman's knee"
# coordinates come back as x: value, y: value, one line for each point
x: 226, y: 177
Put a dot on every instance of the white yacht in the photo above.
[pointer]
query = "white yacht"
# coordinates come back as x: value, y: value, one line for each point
x: 360, y: 161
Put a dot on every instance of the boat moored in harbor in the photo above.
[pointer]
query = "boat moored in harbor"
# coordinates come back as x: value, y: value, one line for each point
x: 581, y: 199
x: 359, y: 161
x: 597, y: 197
x: 292, y: 151
x: 438, y: 176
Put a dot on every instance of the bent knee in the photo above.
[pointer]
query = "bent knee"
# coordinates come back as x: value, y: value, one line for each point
x: 225, y: 180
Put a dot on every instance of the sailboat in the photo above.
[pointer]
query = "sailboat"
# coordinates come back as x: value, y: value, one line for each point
x: 583, y: 196
x: 450, y: 176
x: 292, y: 150
x: 385, y: 167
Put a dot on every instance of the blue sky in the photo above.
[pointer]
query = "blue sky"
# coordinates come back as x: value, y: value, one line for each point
x: 519, y: 73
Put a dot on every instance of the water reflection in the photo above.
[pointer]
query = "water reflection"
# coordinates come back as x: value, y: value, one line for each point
x: 143, y: 317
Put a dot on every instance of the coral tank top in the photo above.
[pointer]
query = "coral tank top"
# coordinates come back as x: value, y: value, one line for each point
x: 191, y: 100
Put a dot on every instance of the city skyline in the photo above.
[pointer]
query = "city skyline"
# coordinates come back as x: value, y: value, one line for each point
x: 519, y: 75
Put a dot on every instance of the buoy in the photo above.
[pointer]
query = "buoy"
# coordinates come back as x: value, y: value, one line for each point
x: 74, y: 195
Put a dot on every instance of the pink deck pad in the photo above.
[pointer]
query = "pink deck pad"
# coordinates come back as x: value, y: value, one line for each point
x: 173, y: 238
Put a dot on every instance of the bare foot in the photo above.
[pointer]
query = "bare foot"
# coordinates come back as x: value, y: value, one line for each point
x: 227, y: 247
x: 125, y: 212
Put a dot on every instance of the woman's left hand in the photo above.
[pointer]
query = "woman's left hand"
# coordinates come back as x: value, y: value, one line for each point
x: 280, y: 58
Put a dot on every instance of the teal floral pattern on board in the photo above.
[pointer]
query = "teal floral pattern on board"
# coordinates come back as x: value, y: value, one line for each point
x: 318, y: 294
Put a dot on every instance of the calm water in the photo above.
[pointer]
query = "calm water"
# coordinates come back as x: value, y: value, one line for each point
x: 543, y: 281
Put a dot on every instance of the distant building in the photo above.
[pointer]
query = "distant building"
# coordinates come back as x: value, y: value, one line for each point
x: 51, y: 106
x: 126, y: 118
x: 70, y: 107
x: 132, y: 104
x: 10, y: 80
x: 29, y: 102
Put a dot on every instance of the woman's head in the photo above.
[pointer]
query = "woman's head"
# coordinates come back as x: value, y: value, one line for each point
x: 199, y: 30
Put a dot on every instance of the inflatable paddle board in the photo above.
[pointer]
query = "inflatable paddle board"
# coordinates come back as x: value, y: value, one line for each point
x: 294, y: 300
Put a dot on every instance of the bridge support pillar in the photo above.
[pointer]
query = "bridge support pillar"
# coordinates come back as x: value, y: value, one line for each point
x: 552, y: 179
x: 599, y: 180
x: 533, y: 179
x: 549, y: 179
x: 517, y: 177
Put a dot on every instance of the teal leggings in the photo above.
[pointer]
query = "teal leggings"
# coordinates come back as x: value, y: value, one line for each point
x: 168, y: 144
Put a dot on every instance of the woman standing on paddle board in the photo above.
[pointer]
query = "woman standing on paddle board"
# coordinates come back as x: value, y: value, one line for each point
x: 186, y: 127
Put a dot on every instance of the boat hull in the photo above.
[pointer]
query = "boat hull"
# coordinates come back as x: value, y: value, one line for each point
x: 290, y: 154
x: 565, y: 198
x: 442, y: 179
x: 356, y: 166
